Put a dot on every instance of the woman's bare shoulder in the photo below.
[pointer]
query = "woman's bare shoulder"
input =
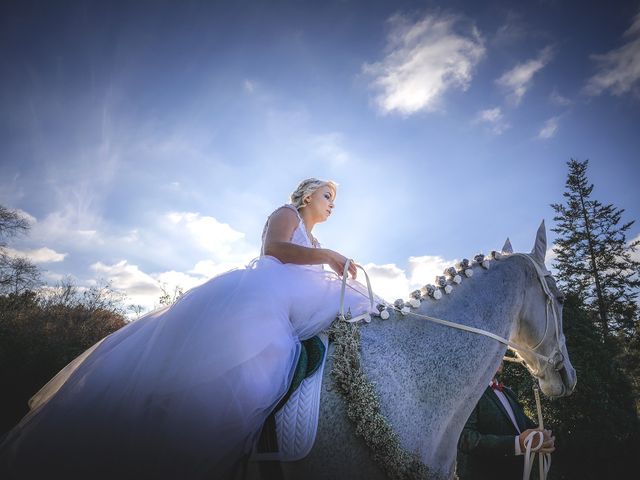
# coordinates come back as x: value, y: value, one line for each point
x: 281, y: 224
x: 285, y: 214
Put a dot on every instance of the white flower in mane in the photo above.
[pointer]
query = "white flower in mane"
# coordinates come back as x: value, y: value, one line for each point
x: 452, y: 277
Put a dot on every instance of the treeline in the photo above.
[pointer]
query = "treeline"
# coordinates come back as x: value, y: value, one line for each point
x: 43, y: 328
x: 596, y: 428
x: 40, y: 335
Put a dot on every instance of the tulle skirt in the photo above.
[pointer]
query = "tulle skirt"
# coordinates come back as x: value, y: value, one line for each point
x: 182, y: 392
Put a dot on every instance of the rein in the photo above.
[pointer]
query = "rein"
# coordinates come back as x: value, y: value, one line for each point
x: 345, y: 273
x: 556, y: 359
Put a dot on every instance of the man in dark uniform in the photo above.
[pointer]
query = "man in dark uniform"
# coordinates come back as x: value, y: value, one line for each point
x: 491, y: 444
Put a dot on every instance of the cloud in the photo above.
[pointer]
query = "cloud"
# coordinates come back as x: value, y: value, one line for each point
x: 549, y: 129
x: 424, y: 60
x: 328, y: 147
x: 549, y: 259
x: 210, y: 268
x: 127, y: 278
x: 69, y: 227
x: 142, y: 288
x: 513, y: 30
x: 494, y: 118
x: 179, y: 249
x: 38, y: 255
x: 556, y: 99
x: 424, y: 269
x: 173, y: 279
x: 392, y: 282
x: 210, y: 234
x: 520, y: 78
x: 249, y: 86
x: 490, y: 115
x: 175, y: 240
x: 388, y: 281
x: 52, y: 277
x: 619, y: 69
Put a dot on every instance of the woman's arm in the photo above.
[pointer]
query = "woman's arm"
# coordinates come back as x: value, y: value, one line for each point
x: 277, y: 244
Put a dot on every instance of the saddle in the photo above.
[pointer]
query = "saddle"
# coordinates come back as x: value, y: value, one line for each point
x: 289, y: 432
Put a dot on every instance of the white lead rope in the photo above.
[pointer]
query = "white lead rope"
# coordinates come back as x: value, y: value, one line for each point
x: 544, y: 459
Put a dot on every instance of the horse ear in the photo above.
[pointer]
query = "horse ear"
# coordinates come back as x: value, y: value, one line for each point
x: 540, y: 248
x: 507, y: 248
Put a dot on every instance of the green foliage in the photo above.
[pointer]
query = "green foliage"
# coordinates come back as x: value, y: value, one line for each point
x: 595, y: 264
x: 593, y: 257
x: 596, y: 428
x: 629, y: 360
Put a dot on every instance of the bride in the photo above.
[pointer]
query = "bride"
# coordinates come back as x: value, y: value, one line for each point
x: 183, y: 391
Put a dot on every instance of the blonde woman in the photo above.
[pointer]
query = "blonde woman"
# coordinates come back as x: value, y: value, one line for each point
x: 183, y: 392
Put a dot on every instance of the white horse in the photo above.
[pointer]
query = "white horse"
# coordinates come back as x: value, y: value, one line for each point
x: 428, y: 377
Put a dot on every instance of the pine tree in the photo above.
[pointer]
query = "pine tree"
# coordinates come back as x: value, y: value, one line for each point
x: 593, y: 257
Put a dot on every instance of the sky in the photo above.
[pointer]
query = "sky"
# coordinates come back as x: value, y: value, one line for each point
x: 147, y: 142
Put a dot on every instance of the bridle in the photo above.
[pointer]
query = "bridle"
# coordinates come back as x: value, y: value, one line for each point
x: 555, y: 360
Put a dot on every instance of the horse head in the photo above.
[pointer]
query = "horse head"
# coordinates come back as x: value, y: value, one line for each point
x: 539, y: 326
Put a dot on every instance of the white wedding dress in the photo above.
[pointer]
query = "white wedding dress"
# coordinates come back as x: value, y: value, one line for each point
x: 183, y: 391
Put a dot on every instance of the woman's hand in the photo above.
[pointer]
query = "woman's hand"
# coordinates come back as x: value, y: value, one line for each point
x: 337, y: 261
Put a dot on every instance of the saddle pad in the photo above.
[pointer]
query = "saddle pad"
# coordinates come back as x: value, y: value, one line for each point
x: 296, y: 422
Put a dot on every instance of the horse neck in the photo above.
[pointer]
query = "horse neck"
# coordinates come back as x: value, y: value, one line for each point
x: 442, y: 371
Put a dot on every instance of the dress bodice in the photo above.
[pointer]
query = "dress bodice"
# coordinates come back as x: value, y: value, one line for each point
x: 299, y: 236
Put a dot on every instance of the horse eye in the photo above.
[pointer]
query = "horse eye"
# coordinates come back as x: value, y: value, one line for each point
x: 561, y: 298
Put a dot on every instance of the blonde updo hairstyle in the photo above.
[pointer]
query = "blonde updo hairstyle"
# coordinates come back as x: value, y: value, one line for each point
x: 307, y: 187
